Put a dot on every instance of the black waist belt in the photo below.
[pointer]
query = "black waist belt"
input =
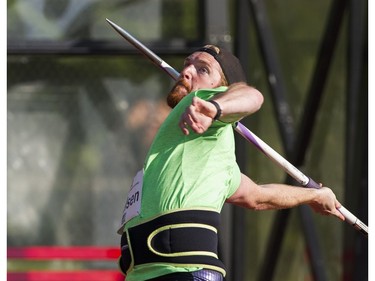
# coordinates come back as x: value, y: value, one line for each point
x: 186, y: 237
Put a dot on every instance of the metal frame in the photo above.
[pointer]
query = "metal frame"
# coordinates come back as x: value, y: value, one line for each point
x: 355, y: 263
x: 301, y: 142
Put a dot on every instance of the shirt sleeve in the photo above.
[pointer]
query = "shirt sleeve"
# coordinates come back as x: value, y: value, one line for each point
x: 235, y: 181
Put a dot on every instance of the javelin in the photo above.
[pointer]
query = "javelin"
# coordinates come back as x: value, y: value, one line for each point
x: 245, y: 132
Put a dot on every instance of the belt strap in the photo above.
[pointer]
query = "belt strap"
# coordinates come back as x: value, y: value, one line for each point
x: 187, y: 237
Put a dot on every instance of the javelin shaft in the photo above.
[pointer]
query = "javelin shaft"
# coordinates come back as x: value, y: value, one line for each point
x: 246, y: 133
x: 296, y: 174
x: 144, y: 50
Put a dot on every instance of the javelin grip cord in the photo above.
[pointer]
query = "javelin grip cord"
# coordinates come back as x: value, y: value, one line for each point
x: 245, y: 132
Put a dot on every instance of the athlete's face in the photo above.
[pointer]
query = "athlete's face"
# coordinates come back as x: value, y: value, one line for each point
x: 201, y: 71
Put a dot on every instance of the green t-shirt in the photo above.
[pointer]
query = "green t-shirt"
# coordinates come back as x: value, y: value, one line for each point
x: 197, y: 171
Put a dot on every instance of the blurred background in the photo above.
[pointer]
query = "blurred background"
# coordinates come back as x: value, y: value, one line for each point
x: 83, y: 106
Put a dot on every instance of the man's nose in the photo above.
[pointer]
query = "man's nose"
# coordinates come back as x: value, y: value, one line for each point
x: 188, y: 72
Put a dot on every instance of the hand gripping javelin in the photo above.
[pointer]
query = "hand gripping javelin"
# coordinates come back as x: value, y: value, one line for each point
x: 246, y: 133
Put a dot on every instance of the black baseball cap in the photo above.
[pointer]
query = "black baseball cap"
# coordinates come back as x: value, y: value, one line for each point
x: 229, y: 63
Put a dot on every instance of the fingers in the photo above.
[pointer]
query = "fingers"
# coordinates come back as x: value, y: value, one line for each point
x: 326, y: 203
x: 338, y: 213
x: 184, y: 126
x: 328, y: 212
x: 195, y: 117
x: 196, y: 124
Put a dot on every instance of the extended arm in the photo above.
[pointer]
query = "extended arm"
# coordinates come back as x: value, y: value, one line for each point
x: 281, y: 196
x: 237, y: 102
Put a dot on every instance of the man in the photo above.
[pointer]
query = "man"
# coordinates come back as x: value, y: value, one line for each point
x: 170, y: 221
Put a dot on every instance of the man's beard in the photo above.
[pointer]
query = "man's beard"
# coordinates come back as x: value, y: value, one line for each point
x: 178, y: 92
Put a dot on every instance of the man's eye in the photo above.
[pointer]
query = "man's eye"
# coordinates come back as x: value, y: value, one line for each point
x: 203, y: 70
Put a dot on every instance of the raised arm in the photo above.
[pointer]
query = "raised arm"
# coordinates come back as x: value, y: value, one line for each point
x: 232, y: 105
x: 237, y: 102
